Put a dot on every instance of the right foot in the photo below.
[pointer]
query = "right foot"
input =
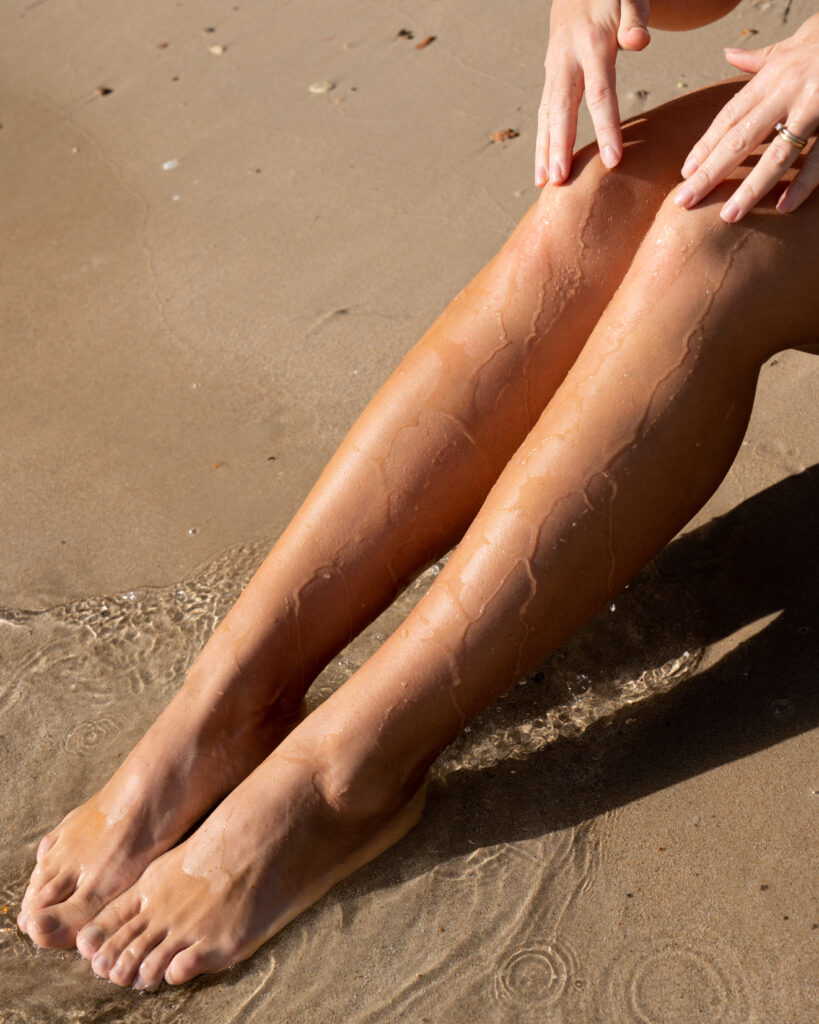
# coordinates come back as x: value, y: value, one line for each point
x: 202, y: 746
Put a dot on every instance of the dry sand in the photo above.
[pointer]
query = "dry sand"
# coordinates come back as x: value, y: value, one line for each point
x: 206, y: 272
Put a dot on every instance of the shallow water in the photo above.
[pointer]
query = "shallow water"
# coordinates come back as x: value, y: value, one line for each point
x: 484, y: 912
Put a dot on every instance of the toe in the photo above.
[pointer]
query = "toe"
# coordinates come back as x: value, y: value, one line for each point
x: 106, y: 924
x: 107, y: 956
x: 59, y: 924
x: 124, y: 970
x: 191, y: 962
x: 42, y: 876
x: 152, y: 969
x: 89, y: 940
x: 59, y: 888
x: 46, y: 843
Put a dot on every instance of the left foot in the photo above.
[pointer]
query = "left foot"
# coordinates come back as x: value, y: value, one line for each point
x: 273, y: 847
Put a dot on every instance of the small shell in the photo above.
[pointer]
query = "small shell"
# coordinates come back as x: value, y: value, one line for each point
x: 319, y: 87
x: 217, y: 48
x: 504, y: 134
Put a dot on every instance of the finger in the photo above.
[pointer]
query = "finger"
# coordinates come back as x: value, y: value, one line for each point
x: 632, y: 33
x: 737, y: 108
x: 777, y: 158
x: 802, y: 185
x: 601, y: 99
x: 738, y: 142
x: 748, y: 60
x: 564, y: 99
x: 542, y: 142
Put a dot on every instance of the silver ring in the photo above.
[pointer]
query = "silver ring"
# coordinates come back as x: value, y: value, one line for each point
x: 788, y: 136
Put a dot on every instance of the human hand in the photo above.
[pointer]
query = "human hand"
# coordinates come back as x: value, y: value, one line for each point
x: 583, y: 41
x: 785, y: 88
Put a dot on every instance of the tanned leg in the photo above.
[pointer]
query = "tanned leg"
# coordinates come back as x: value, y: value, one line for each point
x: 401, y: 490
x: 634, y: 441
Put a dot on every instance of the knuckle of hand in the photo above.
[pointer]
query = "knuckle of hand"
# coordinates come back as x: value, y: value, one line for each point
x: 735, y: 140
x: 781, y: 154
x: 560, y: 103
x: 746, y: 195
x: 726, y: 116
x: 599, y: 94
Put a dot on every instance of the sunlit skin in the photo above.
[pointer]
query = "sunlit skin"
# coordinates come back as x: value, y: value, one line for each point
x: 566, y: 415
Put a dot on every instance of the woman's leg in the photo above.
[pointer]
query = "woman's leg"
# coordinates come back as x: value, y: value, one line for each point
x: 635, y: 440
x: 400, y: 491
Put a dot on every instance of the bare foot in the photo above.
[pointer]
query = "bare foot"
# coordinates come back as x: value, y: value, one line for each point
x: 276, y: 844
x: 210, y: 737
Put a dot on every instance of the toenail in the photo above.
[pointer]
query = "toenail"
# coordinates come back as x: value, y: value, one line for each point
x: 100, y: 963
x: 93, y: 936
x: 46, y: 923
x: 144, y: 986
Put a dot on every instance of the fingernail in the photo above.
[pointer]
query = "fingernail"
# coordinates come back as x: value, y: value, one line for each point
x: 684, y: 197
x: 609, y: 155
x: 555, y: 172
x: 730, y: 212
x: 541, y: 177
x: 689, y: 166
x: 785, y: 204
x: 21, y: 922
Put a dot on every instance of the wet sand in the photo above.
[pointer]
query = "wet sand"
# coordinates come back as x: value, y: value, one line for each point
x: 206, y: 273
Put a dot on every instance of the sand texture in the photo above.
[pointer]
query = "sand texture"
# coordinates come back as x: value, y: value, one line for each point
x: 208, y: 267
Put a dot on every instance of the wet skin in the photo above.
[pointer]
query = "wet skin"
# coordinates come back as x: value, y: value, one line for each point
x: 570, y: 410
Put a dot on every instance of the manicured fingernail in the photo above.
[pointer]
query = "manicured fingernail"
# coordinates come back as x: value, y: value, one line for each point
x: 609, y: 156
x: 684, y: 197
x: 555, y: 172
x: 730, y: 212
x: 689, y: 166
x: 541, y: 177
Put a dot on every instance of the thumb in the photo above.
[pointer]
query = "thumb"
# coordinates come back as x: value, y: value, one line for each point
x: 748, y: 60
x: 632, y: 33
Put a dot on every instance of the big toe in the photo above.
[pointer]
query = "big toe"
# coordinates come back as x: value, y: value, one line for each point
x: 193, y: 961
x: 58, y: 925
x: 46, y: 843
